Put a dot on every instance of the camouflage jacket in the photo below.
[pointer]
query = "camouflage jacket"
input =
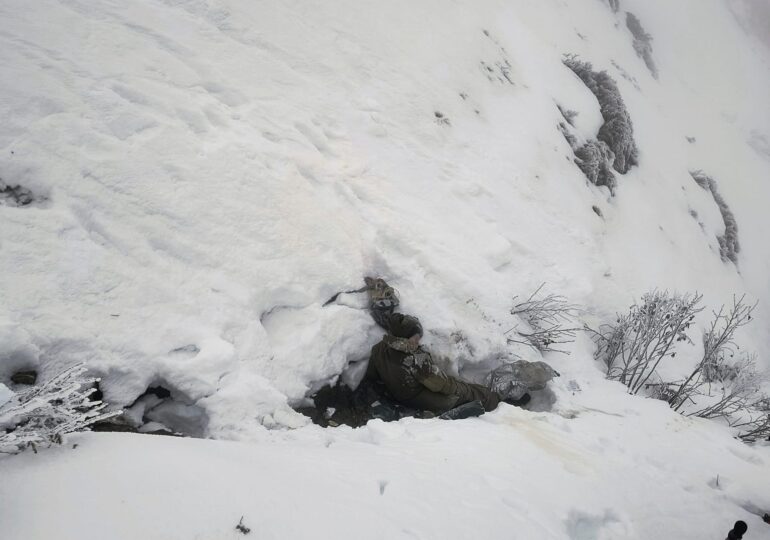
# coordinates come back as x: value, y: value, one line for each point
x: 407, y: 371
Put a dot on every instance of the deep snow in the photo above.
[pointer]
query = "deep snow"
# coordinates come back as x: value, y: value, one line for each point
x: 209, y: 172
x: 610, y: 467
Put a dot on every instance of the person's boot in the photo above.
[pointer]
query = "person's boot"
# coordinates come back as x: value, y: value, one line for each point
x: 466, y: 410
x: 384, y: 411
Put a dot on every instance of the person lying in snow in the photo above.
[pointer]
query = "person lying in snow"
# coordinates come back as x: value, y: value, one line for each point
x: 408, y: 371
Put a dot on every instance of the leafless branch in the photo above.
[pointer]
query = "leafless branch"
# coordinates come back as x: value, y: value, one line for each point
x: 546, y: 316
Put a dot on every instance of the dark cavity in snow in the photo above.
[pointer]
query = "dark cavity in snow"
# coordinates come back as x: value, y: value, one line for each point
x: 26, y: 377
x: 160, y: 410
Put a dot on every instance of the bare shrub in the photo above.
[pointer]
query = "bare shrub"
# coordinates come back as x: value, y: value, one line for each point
x: 549, y: 317
x: 719, y: 386
x: 642, y: 43
x: 756, y: 426
x: 618, y: 130
x: 44, y: 414
x: 633, y: 347
x: 729, y: 247
x: 737, y: 401
x: 718, y: 345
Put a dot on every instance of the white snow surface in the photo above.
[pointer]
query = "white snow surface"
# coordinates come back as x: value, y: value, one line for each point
x: 209, y: 172
x: 609, y: 467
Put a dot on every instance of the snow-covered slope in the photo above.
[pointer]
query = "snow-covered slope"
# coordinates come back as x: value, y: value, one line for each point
x: 208, y: 173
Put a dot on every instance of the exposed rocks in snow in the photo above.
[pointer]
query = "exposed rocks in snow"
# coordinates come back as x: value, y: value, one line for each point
x: 642, y: 42
x: 618, y: 130
x: 729, y: 247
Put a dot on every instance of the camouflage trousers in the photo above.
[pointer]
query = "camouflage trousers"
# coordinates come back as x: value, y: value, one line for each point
x: 462, y: 393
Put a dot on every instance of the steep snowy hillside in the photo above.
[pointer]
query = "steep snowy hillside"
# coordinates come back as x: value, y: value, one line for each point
x: 184, y: 183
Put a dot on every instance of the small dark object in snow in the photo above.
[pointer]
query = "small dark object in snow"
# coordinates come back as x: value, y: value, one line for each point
x: 441, y: 119
x: 690, y: 140
x: 112, y: 426
x: 15, y: 195
x: 159, y: 391
x: 766, y: 518
x: 241, y: 528
x: 164, y: 432
x: 597, y: 211
x: 739, y: 529
x: 74, y: 446
x: 192, y: 349
x: 28, y: 377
